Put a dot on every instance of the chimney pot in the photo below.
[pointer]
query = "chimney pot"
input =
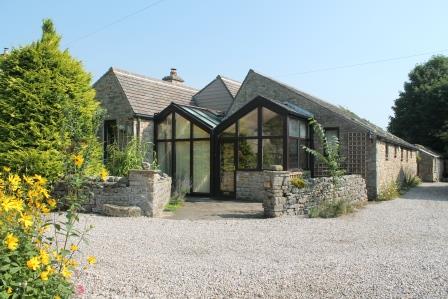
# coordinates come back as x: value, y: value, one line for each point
x: 173, y: 77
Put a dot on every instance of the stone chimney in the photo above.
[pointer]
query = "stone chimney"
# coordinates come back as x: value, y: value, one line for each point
x: 5, y: 51
x: 173, y: 77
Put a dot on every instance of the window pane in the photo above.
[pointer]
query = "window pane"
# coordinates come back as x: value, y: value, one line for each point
x: 248, y: 124
x: 164, y: 157
x: 293, y: 154
x: 331, y: 135
x: 303, y: 155
x: 272, y: 123
x: 303, y: 129
x: 182, y: 127
x: 248, y: 153
x: 229, y: 132
x: 199, y: 133
x: 272, y: 152
x: 183, y: 165
x: 227, y: 169
x: 201, y: 166
x: 294, y: 127
x: 164, y: 128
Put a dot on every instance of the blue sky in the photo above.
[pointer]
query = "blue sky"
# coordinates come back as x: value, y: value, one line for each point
x: 282, y: 39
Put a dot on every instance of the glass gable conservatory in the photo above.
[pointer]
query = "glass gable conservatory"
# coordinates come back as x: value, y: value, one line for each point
x: 202, y: 152
x: 183, y: 146
x: 261, y: 134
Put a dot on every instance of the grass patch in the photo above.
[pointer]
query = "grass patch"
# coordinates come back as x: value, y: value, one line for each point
x: 331, y: 209
x: 173, y: 206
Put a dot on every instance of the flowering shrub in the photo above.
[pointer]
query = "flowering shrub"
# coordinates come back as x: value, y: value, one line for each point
x: 34, y: 263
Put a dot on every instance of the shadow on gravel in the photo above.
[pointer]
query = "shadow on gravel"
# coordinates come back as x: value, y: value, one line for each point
x: 427, y: 191
x: 242, y: 216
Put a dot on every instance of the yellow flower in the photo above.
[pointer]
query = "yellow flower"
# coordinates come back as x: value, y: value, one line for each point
x: 9, y: 290
x: 57, y: 297
x: 73, y: 248
x: 78, y: 160
x: 27, y: 220
x: 33, y: 263
x: 73, y: 263
x: 51, y: 202
x: 44, y: 275
x: 65, y: 272
x: 10, y: 203
x: 91, y: 260
x: 11, y: 241
x: 40, y: 180
x: 49, y: 269
x: 6, y: 169
x: 44, y: 192
x: 28, y: 180
x: 44, y: 257
x: 104, y: 174
x: 14, y: 181
x: 45, y: 209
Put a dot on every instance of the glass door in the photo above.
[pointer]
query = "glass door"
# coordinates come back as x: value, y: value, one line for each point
x: 227, y: 167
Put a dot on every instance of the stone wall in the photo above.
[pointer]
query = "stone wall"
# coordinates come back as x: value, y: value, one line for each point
x: 249, y: 185
x: 147, y: 189
x: 395, y: 166
x: 430, y: 168
x: 282, y: 198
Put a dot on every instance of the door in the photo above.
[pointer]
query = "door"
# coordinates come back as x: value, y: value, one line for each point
x: 110, y: 135
x: 227, y: 167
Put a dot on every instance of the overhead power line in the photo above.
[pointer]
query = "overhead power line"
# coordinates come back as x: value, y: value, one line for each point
x: 119, y: 20
x: 363, y: 63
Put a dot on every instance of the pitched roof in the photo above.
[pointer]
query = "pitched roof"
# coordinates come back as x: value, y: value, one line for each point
x: 428, y: 151
x: 232, y: 85
x: 148, y: 95
x: 346, y: 114
x: 209, y: 117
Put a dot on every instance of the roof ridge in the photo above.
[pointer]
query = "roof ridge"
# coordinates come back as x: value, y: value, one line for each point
x: 229, y: 79
x: 356, y: 119
x: 144, y: 77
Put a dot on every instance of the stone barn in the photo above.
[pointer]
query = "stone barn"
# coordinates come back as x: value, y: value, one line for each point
x: 430, y: 164
x: 218, y: 140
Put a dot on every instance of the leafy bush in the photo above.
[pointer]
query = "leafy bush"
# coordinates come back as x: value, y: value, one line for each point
x: 34, y: 264
x: 331, y: 209
x: 389, y: 192
x: 298, y: 182
x: 132, y: 156
x: 410, y: 181
x: 47, y: 105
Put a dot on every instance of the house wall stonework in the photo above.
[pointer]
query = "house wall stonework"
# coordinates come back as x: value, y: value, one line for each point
x: 394, y: 167
x: 282, y: 198
x: 112, y: 98
x: 430, y: 168
x: 249, y: 185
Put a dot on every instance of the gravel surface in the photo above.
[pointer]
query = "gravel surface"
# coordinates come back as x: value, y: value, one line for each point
x: 389, y: 249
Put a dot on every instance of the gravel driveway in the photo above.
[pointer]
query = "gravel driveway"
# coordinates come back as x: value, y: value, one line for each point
x: 389, y: 249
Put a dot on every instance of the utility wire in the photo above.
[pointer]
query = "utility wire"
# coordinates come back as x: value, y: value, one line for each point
x: 363, y: 63
x: 119, y: 20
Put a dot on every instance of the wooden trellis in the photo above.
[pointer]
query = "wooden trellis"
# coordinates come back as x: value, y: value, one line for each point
x: 357, y: 153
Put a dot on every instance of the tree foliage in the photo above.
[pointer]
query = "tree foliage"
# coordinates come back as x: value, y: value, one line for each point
x: 47, y: 108
x: 421, y: 110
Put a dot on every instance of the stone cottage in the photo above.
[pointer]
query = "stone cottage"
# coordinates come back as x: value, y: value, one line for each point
x: 430, y: 165
x: 218, y: 140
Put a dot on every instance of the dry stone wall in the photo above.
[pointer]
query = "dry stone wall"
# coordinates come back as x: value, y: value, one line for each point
x: 282, y: 198
x: 148, y: 190
x: 249, y: 185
